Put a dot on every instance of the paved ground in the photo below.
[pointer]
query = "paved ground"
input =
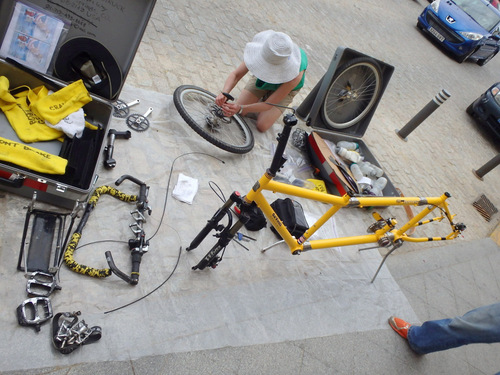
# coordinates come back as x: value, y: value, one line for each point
x: 190, y: 42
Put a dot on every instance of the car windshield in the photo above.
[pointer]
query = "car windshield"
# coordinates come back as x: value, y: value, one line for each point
x: 482, y: 13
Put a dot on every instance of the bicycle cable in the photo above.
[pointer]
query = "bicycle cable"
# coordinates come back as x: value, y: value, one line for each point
x: 156, y: 231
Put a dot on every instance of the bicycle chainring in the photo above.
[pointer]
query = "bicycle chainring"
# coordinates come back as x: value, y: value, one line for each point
x: 120, y: 109
x: 137, y: 122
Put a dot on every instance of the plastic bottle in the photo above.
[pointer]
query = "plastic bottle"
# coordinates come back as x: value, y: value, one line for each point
x: 364, y: 183
x: 350, y: 155
x: 370, y: 170
x: 353, y: 146
x: 378, y: 186
x: 356, y: 172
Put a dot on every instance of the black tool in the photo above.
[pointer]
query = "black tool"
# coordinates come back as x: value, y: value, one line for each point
x: 113, y: 134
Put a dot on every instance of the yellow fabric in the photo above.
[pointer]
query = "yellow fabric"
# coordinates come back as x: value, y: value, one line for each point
x: 54, y: 107
x: 28, y: 126
x: 31, y: 158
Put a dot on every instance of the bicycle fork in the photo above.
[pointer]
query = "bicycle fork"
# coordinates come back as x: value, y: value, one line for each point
x: 224, y: 233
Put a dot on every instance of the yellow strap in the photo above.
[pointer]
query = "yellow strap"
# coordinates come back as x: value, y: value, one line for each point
x: 31, y: 158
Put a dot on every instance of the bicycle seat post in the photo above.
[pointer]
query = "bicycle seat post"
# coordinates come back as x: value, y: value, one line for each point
x: 278, y: 160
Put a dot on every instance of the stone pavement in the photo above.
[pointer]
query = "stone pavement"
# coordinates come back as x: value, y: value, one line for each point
x: 199, y: 43
x: 189, y: 42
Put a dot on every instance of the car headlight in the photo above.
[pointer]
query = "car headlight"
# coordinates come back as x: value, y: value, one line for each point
x: 495, y: 91
x: 471, y: 36
x: 435, y: 5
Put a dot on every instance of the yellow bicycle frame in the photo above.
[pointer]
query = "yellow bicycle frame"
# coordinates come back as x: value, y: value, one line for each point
x: 385, y: 234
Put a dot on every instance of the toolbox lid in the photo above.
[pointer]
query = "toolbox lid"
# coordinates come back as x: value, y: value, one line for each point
x: 105, y: 34
x: 312, y: 108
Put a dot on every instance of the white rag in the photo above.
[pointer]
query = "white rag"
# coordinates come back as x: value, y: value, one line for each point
x: 186, y: 189
x: 72, y: 125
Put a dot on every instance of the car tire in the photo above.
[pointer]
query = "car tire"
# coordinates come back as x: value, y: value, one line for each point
x: 470, y: 110
x: 487, y: 60
x: 461, y: 59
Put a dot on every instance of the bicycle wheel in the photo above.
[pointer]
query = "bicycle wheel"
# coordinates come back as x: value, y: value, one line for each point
x: 354, y: 90
x: 197, y: 107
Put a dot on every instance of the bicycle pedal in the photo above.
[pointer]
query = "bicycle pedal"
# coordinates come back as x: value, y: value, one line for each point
x: 34, y: 312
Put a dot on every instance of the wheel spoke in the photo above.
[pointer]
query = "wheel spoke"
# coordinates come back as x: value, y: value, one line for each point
x: 352, y: 94
x: 197, y: 107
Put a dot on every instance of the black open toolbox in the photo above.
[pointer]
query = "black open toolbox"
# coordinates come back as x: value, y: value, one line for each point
x: 103, y: 33
x: 310, y: 111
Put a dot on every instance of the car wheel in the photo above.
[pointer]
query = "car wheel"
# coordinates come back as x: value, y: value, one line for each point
x: 487, y: 60
x: 461, y: 59
x: 470, y: 109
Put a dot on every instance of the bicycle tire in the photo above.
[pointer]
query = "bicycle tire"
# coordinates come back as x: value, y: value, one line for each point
x: 354, y: 90
x: 193, y: 104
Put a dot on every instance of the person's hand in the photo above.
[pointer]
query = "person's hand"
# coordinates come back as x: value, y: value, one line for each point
x: 220, y: 99
x: 230, y: 109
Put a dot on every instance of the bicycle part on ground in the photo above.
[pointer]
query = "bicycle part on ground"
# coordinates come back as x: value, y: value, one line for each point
x: 138, y: 246
x: 41, y: 284
x: 68, y: 333
x: 139, y: 122
x: 122, y: 109
x: 226, y: 233
x: 198, y: 109
x: 45, y: 240
x: 45, y: 248
x: 34, y: 312
x: 113, y: 134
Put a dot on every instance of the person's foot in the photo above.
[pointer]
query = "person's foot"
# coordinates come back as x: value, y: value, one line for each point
x: 400, y: 326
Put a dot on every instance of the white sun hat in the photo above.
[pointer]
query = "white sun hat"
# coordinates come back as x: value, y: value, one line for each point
x: 272, y: 57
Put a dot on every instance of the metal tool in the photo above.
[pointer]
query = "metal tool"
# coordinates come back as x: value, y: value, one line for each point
x: 122, y: 109
x: 113, y: 134
x: 139, y: 122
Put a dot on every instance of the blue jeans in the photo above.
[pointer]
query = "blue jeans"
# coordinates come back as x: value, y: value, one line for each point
x: 481, y: 325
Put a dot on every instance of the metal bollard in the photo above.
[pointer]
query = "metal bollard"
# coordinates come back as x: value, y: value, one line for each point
x: 479, y: 173
x: 423, y: 114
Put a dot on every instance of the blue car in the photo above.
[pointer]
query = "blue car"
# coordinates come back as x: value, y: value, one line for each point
x: 465, y: 28
x: 486, y: 110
